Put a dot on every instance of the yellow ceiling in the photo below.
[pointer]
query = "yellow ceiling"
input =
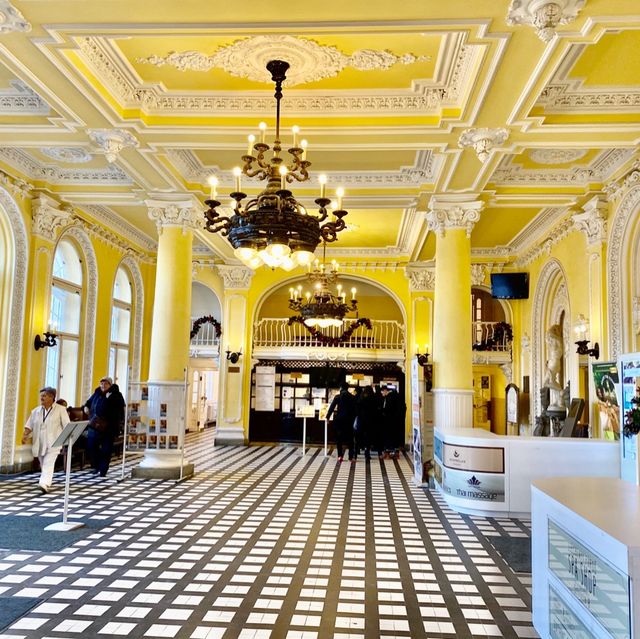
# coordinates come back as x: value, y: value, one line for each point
x: 388, y: 135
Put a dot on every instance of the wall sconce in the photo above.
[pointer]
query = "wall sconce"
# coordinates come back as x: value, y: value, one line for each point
x: 234, y: 356
x: 49, y: 339
x: 423, y: 358
x: 581, y: 328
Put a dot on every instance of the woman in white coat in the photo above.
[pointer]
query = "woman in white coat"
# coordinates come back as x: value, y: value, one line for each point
x: 44, y: 425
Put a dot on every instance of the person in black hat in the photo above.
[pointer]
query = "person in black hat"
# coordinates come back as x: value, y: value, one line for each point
x: 344, y: 407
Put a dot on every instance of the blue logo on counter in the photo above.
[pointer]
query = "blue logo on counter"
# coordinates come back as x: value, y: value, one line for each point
x: 473, y: 481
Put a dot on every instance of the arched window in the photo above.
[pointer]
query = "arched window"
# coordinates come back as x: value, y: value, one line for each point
x: 119, y: 346
x: 63, y: 360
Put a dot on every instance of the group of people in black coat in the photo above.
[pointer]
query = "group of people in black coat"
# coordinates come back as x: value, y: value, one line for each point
x: 368, y: 420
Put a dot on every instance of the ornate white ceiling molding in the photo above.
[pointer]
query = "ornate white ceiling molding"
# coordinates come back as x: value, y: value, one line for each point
x: 15, y: 186
x: 556, y: 156
x: 483, y: 140
x: 448, y: 212
x: 112, y: 141
x: 557, y: 234
x: 175, y: 213
x: 420, y: 98
x: 27, y: 165
x: 67, y: 154
x: 20, y: 99
x: 564, y: 97
x: 617, y: 189
x: 236, y: 277
x: 421, y: 278
x: 129, y: 232
x: 48, y: 217
x: 310, y: 61
x: 544, y: 15
x: 538, y: 229
x: 593, y: 221
x: 499, y: 252
x: 11, y: 19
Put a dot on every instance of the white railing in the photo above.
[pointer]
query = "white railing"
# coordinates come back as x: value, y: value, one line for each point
x: 489, y: 336
x: 206, y: 337
x: 275, y: 332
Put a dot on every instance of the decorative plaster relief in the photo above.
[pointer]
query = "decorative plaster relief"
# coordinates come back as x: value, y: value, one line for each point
x: 112, y: 141
x: 451, y: 213
x: 310, y: 61
x: 182, y: 214
x: 556, y: 156
x: 48, y: 217
x: 21, y: 99
x: 68, y: 154
x: 544, y: 15
x: 593, y: 222
x: 482, y: 140
x: 238, y: 277
x: 11, y: 19
x: 478, y: 274
x: 15, y: 186
x: 421, y: 278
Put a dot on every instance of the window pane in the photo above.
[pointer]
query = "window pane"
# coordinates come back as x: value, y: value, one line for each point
x: 65, y: 310
x: 122, y: 370
x: 51, y: 374
x: 68, y: 370
x: 122, y: 286
x: 66, y: 263
x: 112, y: 362
x: 120, y: 325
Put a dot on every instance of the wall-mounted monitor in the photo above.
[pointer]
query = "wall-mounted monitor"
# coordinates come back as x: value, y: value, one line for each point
x: 510, y: 286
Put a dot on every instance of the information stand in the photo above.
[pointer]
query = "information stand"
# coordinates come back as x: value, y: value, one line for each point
x: 304, y: 412
x: 322, y: 414
x: 136, y: 421
x: 68, y: 437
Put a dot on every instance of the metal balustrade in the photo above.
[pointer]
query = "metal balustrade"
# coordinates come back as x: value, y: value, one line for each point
x: 275, y: 332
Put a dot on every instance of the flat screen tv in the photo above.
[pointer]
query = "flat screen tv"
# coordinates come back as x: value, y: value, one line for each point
x: 510, y: 286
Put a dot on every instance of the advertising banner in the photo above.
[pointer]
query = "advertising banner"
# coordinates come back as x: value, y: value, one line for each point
x: 607, y: 384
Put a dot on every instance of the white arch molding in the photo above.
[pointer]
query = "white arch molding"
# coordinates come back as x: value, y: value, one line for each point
x: 138, y: 290
x: 619, y: 249
x: 89, y: 335
x: 550, y: 301
x: 18, y: 255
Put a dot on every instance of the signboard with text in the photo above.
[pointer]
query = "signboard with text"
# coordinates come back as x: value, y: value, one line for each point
x: 477, y: 459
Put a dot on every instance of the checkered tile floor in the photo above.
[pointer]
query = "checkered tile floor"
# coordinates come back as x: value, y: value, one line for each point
x: 265, y: 543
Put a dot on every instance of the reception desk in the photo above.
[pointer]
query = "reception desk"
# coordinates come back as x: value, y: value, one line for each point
x: 585, y: 558
x: 480, y: 473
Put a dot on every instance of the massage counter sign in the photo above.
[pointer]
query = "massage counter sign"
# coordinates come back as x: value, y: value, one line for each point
x: 470, y: 472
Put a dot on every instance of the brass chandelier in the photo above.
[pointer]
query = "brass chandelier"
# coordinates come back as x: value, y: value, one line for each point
x: 274, y: 229
x: 322, y: 308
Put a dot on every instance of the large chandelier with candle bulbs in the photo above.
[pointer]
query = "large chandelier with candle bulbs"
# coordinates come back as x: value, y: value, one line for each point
x: 274, y: 229
x: 321, y: 307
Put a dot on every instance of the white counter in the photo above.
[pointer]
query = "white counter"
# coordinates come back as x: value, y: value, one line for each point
x: 586, y: 557
x: 481, y: 473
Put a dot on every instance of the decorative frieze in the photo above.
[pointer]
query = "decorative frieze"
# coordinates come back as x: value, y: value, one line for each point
x: 48, y: 217
x: 176, y: 213
x: 237, y: 277
x: 593, y: 221
x: 112, y: 141
x: 15, y: 186
x: 544, y: 15
x: 421, y: 278
x: 453, y: 212
x: 11, y: 19
x: 617, y: 189
x: 20, y: 99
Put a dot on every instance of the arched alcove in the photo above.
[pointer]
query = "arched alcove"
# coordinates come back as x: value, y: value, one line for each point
x: 204, y: 301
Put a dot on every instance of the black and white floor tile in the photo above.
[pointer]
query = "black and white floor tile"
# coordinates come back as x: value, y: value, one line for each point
x: 263, y: 542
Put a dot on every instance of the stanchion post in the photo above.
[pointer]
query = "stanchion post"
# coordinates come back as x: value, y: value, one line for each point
x: 304, y: 436
x: 325, y: 437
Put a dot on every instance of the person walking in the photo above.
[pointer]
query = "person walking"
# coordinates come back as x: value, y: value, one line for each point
x: 106, y: 412
x: 368, y: 413
x: 44, y: 426
x: 344, y: 406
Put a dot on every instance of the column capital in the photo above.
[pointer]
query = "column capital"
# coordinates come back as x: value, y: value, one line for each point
x: 182, y: 213
x: 448, y: 212
x: 593, y: 221
x: 421, y: 278
x: 48, y: 217
x: 237, y: 277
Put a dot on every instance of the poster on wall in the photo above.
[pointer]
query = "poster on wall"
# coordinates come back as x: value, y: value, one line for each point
x: 418, y: 471
x: 265, y: 388
x: 607, y: 384
x: 630, y: 389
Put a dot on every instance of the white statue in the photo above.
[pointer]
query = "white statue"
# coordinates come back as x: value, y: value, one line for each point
x: 553, y: 367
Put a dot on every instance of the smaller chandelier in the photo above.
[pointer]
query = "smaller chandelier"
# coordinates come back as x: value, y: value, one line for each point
x: 274, y: 229
x: 322, y: 308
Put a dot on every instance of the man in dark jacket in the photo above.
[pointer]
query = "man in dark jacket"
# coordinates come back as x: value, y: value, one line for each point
x: 393, y: 416
x: 106, y: 413
x: 344, y: 406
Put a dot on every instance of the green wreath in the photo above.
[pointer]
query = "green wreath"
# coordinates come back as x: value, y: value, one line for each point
x: 327, y: 340
x: 207, y: 319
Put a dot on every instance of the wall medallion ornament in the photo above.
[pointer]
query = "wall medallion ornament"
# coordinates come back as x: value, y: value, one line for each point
x: 238, y: 277
x: 112, y: 141
x: 544, y: 15
x: 556, y: 156
x: 67, y: 154
x: 482, y: 140
x: 421, y: 278
x: 11, y: 19
x: 309, y: 60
